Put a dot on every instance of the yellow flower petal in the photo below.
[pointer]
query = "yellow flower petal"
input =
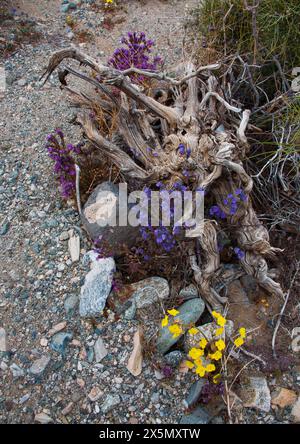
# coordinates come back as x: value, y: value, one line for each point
x: 165, y: 321
x: 189, y: 364
x: 176, y: 330
x: 193, y: 331
x: 220, y: 344
x: 221, y: 321
x: 216, y: 378
x: 238, y: 342
x: 215, y: 356
x: 200, y: 371
x: 210, y: 368
x: 242, y: 332
x: 203, y: 343
x: 195, y: 353
x: 215, y: 314
x: 173, y: 312
x: 219, y: 331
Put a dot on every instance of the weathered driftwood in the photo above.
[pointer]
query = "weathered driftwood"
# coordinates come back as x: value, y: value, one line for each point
x: 190, y: 109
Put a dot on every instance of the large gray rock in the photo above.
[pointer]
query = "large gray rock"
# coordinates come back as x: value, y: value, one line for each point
x: 138, y: 295
x: 255, y: 393
x: 101, y: 211
x: 149, y: 291
x: 96, y: 287
x: 189, y: 313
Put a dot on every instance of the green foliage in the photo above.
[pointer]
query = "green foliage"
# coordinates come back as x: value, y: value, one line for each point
x: 229, y: 25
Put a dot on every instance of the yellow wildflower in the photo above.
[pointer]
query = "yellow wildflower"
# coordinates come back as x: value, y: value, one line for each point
x: 216, y: 378
x: 216, y: 356
x: 242, y: 332
x: 173, y: 312
x: 198, y: 362
x: 238, y: 342
x: 193, y: 331
x: 176, y: 330
x: 220, y: 344
x: 219, y: 331
x: 210, y: 368
x: 221, y: 321
x: 165, y: 321
x: 200, y: 371
x: 215, y: 314
x: 195, y: 353
x: 203, y: 343
x: 189, y: 364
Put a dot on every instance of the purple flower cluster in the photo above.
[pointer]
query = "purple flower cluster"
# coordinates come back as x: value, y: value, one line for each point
x: 164, y: 237
x: 64, y: 164
x: 135, y: 54
x: 182, y: 150
x: 231, y: 202
x: 239, y: 253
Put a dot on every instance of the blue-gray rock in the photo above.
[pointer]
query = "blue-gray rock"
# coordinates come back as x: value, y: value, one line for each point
x: 60, y: 341
x: 71, y: 303
x: 198, y: 416
x: 189, y: 292
x: 140, y: 294
x: 17, y: 371
x: 101, y: 218
x: 149, y: 291
x: 129, y: 314
x: 189, y: 313
x: 100, y: 350
x: 4, y: 228
x: 40, y: 365
x: 194, y: 393
x: 174, y: 358
x: 110, y: 402
x: 97, y: 286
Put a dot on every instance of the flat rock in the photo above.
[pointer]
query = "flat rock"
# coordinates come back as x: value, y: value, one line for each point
x: 17, y: 371
x: 100, y: 350
x: 96, y: 288
x: 60, y: 341
x: 150, y: 290
x: 71, y: 303
x: 255, y: 393
x: 56, y: 328
x: 43, y: 418
x: 198, y: 416
x: 134, y: 365
x: 189, y: 313
x: 189, y: 292
x: 40, y: 365
x: 95, y: 394
x: 138, y: 295
x: 283, y: 397
x: 110, y: 402
x: 194, y: 393
x: 101, y: 218
x: 74, y: 246
x: 3, y: 340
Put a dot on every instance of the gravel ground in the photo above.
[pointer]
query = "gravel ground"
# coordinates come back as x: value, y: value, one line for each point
x: 40, y: 283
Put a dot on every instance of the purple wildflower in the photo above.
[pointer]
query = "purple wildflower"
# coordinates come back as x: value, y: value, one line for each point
x: 239, y: 253
x: 135, y: 53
